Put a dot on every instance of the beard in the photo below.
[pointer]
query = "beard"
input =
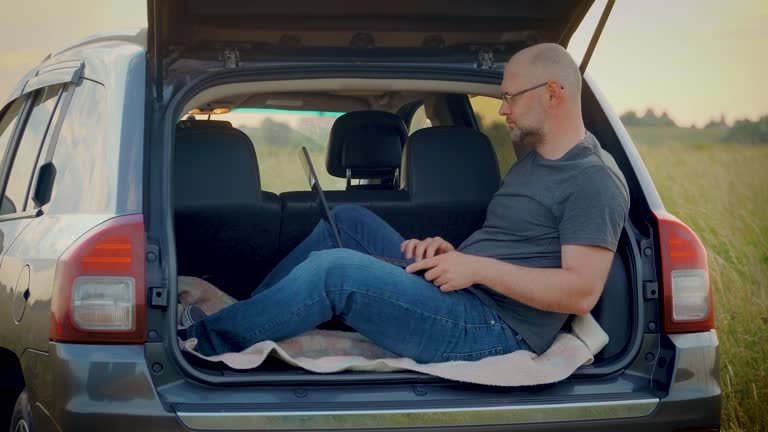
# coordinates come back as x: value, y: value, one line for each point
x: 525, y: 139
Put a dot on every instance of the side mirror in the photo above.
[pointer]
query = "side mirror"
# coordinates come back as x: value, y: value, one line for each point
x: 44, y: 186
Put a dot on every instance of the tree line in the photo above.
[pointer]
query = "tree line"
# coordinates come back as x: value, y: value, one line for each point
x: 743, y: 131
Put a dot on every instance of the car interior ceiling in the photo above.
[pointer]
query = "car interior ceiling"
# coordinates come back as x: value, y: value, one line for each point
x: 363, y: 89
x: 246, y: 230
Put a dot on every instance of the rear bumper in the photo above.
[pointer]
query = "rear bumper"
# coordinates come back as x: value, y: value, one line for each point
x: 100, y: 387
x: 666, y: 416
x: 96, y: 388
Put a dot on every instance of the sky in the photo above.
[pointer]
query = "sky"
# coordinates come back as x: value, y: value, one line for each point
x: 695, y: 59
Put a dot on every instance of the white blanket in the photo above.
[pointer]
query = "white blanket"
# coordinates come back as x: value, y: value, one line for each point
x: 325, y: 351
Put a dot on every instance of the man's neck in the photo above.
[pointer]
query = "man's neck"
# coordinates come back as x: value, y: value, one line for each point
x: 559, y: 140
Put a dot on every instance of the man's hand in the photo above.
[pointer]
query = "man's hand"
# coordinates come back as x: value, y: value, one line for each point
x: 450, y: 271
x: 427, y: 248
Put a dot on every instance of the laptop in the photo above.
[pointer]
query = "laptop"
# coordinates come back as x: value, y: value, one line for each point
x: 314, y: 184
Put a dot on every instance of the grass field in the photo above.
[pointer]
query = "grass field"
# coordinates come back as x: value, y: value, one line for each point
x: 675, y: 136
x: 721, y: 192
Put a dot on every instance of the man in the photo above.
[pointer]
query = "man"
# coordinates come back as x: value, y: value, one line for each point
x: 543, y: 253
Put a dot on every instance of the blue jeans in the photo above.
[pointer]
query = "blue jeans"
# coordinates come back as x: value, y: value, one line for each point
x: 401, y: 312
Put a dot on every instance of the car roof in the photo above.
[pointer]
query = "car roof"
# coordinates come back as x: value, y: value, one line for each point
x: 135, y: 36
x: 135, y: 39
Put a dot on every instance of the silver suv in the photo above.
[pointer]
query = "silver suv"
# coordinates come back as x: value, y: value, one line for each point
x: 94, y: 235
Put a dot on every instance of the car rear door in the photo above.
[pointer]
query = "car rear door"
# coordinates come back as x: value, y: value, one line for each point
x: 229, y: 29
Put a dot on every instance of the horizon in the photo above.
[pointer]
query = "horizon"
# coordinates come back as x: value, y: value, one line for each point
x: 715, y: 120
x: 697, y: 61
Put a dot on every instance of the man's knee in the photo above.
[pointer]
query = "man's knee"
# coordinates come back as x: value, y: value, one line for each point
x: 334, y: 261
x: 348, y: 213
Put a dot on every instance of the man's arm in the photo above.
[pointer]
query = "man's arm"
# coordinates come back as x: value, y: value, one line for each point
x: 574, y: 288
x: 594, y: 212
x: 594, y: 209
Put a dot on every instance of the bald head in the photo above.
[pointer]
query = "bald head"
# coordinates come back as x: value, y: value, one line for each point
x: 547, y: 62
x: 542, y: 99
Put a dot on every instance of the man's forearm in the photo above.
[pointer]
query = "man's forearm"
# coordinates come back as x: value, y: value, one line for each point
x: 549, y: 289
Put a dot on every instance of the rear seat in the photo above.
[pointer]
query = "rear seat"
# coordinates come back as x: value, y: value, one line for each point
x: 451, y: 174
x: 366, y: 145
x: 227, y: 229
x: 362, y: 145
x: 449, y: 177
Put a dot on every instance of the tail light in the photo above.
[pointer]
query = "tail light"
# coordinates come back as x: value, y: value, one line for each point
x: 99, y: 289
x: 687, y: 293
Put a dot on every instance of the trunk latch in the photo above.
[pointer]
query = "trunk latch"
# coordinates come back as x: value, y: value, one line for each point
x: 159, y: 298
x: 651, y: 290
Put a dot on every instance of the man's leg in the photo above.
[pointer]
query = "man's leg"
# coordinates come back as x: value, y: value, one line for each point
x: 400, y: 312
x: 359, y: 228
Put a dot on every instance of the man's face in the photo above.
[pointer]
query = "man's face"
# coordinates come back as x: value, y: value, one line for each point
x: 523, y: 113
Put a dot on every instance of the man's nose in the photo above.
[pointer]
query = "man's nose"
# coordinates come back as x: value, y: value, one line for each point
x: 504, y: 109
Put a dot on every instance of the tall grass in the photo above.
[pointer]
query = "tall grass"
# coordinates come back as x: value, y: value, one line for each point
x: 721, y: 192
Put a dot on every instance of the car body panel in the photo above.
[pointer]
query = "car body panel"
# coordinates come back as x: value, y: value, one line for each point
x: 121, y: 68
x: 697, y: 366
x: 38, y: 248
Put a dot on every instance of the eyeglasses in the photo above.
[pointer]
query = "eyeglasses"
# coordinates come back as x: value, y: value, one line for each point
x: 507, y: 98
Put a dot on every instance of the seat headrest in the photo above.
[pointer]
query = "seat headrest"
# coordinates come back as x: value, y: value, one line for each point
x: 213, y: 166
x: 369, y: 143
x: 193, y: 123
x: 450, y: 163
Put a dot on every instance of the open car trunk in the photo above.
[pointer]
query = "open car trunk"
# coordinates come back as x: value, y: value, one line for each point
x: 234, y: 239
x: 616, y: 312
x: 229, y: 53
x: 242, y: 33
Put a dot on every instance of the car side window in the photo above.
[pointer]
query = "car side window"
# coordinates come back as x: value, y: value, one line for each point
x: 25, y: 156
x: 492, y: 125
x: 8, y: 122
x: 85, y: 167
x: 48, y: 141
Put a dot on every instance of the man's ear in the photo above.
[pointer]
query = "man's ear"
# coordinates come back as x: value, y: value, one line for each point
x: 554, y: 92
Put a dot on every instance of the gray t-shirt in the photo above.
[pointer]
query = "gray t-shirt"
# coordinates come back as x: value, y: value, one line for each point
x: 579, y: 199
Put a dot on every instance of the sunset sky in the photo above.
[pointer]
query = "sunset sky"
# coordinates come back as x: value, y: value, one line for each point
x: 694, y: 58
